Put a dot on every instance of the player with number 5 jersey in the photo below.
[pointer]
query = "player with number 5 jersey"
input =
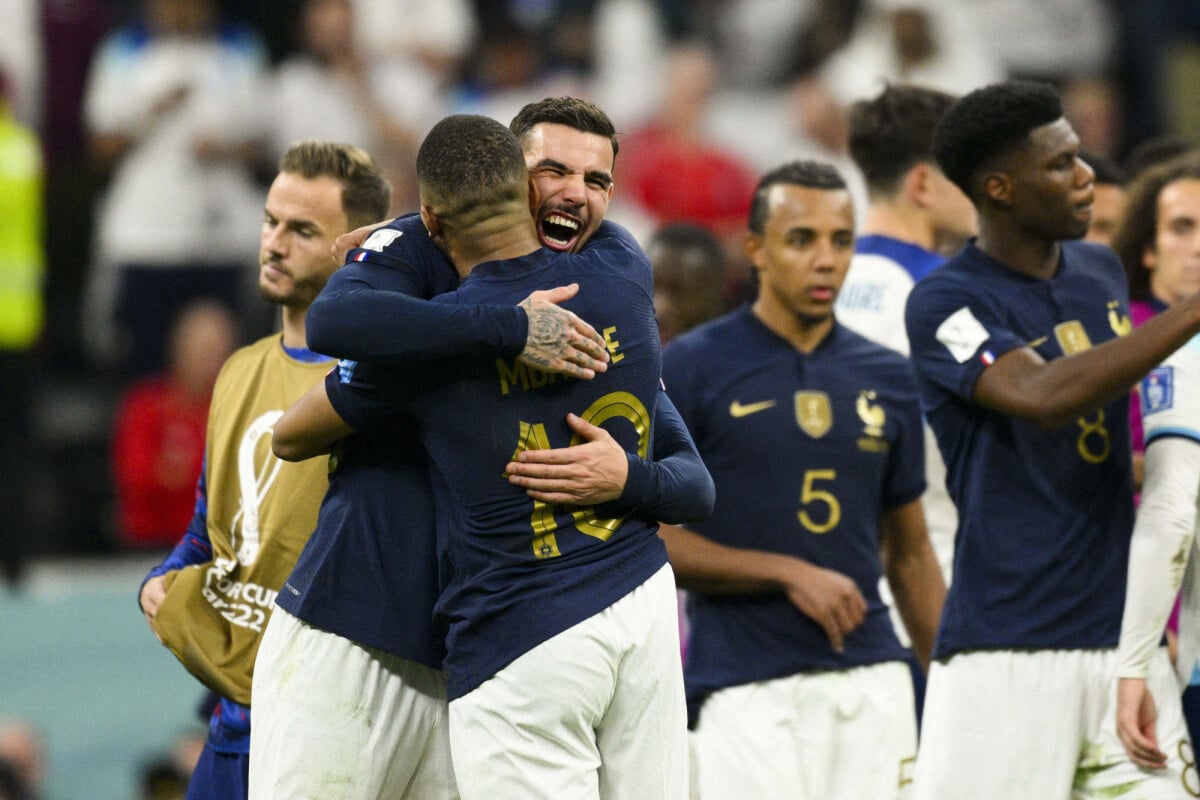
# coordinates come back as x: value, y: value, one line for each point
x: 797, y: 684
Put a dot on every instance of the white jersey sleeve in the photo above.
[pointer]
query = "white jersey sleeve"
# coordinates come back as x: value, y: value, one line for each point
x: 1164, y: 533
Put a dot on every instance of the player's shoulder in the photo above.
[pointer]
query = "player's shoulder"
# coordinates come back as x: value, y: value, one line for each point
x: 954, y: 284
x: 256, y: 350
x: 615, y: 247
x: 404, y: 239
x: 245, y: 361
x: 613, y: 236
x: 1094, y: 260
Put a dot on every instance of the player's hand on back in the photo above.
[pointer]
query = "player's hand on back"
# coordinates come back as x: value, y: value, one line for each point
x: 348, y: 241
x: 830, y: 599
x: 586, y: 474
x: 558, y: 340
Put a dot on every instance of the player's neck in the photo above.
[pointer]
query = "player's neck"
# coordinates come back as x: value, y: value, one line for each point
x: 897, y: 221
x: 495, y: 240
x: 293, y: 328
x: 1032, y: 256
x: 803, y: 333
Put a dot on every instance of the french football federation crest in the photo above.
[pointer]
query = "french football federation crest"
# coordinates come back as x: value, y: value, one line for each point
x: 872, y: 414
x: 814, y: 414
x: 1072, y: 338
x: 1120, y: 324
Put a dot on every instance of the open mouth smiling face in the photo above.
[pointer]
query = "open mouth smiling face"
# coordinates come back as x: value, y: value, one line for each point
x: 559, y: 230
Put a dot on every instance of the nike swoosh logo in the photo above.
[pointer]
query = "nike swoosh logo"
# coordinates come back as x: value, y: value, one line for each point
x: 736, y: 409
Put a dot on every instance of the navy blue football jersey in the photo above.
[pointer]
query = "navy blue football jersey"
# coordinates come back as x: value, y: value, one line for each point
x: 1044, y: 516
x: 370, y: 571
x: 807, y: 451
x: 523, y: 571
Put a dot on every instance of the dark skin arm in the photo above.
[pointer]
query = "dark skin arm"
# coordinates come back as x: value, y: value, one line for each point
x: 913, y: 573
x: 829, y: 598
x: 1052, y: 393
x: 309, y: 428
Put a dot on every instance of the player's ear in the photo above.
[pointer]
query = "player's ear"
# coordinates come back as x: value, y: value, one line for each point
x: 1149, y: 257
x: 752, y: 244
x: 917, y: 183
x: 432, y: 223
x: 998, y: 187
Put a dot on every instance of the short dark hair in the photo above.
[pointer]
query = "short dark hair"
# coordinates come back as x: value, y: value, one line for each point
x: 366, y: 193
x: 991, y: 122
x: 893, y: 132
x: 570, y: 111
x: 1139, y: 223
x: 812, y: 174
x: 470, y: 163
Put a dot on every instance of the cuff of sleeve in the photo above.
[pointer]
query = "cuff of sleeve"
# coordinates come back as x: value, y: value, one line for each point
x: 514, y: 331
x: 639, y: 483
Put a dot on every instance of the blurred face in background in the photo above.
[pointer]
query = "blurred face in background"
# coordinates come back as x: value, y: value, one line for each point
x: 1106, y: 213
x: 1174, y: 258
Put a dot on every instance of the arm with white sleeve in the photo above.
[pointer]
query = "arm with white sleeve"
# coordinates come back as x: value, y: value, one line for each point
x: 1162, y: 541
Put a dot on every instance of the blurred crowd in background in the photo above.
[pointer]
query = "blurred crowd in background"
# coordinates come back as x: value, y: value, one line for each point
x: 137, y: 135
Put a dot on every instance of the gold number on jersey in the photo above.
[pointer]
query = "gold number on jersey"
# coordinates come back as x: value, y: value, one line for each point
x: 532, y: 436
x: 1188, y: 775
x: 1094, y: 442
x: 810, y: 494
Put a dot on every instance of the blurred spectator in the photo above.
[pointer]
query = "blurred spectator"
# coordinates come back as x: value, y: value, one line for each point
x: 761, y: 43
x: 1109, y: 202
x: 940, y: 45
x: 76, y: 27
x: 21, y: 59
x: 331, y: 89
x: 436, y: 34
x: 1154, y: 151
x: 1093, y: 107
x: 507, y: 67
x: 166, y: 776
x: 11, y: 787
x: 172, y: 107
x: 161, y: 779
x: 629, y: 40
x: 689, y: 277
x: 1054, y: 40
x: 23, y: 751
x: 671, y: 169
x: 158, y: 441
x: 21, y: 318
